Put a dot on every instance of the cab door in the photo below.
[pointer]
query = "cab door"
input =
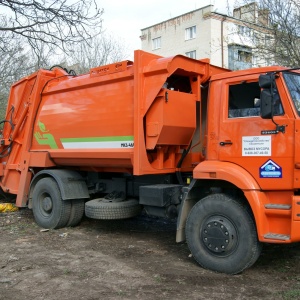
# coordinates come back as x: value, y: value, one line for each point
x: 251, y: 142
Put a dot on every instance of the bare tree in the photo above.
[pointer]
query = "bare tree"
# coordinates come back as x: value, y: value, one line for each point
x: 42, y: 33
x: 101, y: 50
x: 14, y: 63
x: 277, y: 29
x: 53, y: 22
x: 32, y: 32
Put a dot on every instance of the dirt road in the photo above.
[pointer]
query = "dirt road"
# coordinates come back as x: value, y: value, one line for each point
x: 129, y: 259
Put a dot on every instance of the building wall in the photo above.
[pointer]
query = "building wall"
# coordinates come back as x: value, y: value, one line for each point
x: 210, y: 41
x: 218, y: 41
x: 172, y: 33
x: 226, y: 41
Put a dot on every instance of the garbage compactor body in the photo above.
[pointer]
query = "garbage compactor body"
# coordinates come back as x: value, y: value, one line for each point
x: 135, y: 118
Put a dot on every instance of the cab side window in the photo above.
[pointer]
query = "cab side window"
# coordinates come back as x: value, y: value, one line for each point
x: 244, y: 100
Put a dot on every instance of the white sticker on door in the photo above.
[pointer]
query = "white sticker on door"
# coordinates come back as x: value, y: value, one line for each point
x: 256, y: 145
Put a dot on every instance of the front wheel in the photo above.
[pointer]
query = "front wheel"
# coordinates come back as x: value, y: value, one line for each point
x: 221, y: 234
x: 49, y: 210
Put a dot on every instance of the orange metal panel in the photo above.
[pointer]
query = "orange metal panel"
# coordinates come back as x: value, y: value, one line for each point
x: 97, y: 121
x: 41, y: 159
x: 296, y: 208
x: 228, y: 172
x: 171, y: 120
x: 154, y: 72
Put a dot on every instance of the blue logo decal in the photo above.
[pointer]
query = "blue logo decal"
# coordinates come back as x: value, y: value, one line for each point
x: 270, y: 170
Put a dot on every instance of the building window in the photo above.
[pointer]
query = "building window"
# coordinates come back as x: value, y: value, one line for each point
x: 156, y: 43
x: 244, y: 56
x: 267, y: 40
x: 239, y: 57
x: 190, y: 33
x: 245, y: 31
x: 191, y: 54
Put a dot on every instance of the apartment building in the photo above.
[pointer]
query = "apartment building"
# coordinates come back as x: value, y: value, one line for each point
x: 228, y: 41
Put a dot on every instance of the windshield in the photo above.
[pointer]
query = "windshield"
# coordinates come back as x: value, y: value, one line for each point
x: 292, y: 81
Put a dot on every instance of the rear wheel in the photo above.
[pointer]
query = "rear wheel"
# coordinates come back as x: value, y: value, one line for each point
x: 49, y: 210
x: 221, y: 234
x: 77, y: 211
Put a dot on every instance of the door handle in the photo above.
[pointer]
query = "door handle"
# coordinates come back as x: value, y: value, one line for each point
x: 225, y: 143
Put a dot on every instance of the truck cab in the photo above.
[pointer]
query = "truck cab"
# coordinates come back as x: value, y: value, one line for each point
x: 251, y: 163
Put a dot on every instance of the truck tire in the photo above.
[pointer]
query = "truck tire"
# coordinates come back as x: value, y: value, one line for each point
x: 77, y: 211
x: 221, y: 234
x: 49, y: 210
x: 105, y: 210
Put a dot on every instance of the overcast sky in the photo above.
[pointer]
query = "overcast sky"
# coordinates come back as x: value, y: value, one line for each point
x: 125, y: 18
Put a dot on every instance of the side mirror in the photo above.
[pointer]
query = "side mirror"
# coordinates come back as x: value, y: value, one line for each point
x: 266, y: 104
x: 266, y: 81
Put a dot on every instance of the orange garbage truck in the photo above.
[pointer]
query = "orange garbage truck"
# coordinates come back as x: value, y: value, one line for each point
x: 175, y: 137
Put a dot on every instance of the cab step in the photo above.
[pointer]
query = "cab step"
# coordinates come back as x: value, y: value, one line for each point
x: 273, y: 209
x: 277, y: 236
x: 278, y: 206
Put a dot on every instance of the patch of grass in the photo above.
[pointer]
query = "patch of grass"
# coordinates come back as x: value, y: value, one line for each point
x: 158, y: 278
x: 67, y: 272
x: 83, y: 274
x: 293, y: 278
x: 291, y: 294
x: 180, y: 281
x: 282, y: 269
x: 281, y: 265
x: 121, y: 293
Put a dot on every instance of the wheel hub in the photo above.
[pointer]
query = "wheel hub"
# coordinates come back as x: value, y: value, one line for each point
x: 47, y: 204
x: 219, y: 235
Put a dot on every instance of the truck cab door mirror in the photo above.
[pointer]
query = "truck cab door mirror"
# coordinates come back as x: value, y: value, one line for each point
x: 266, y: 81
x: 266, y: 104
